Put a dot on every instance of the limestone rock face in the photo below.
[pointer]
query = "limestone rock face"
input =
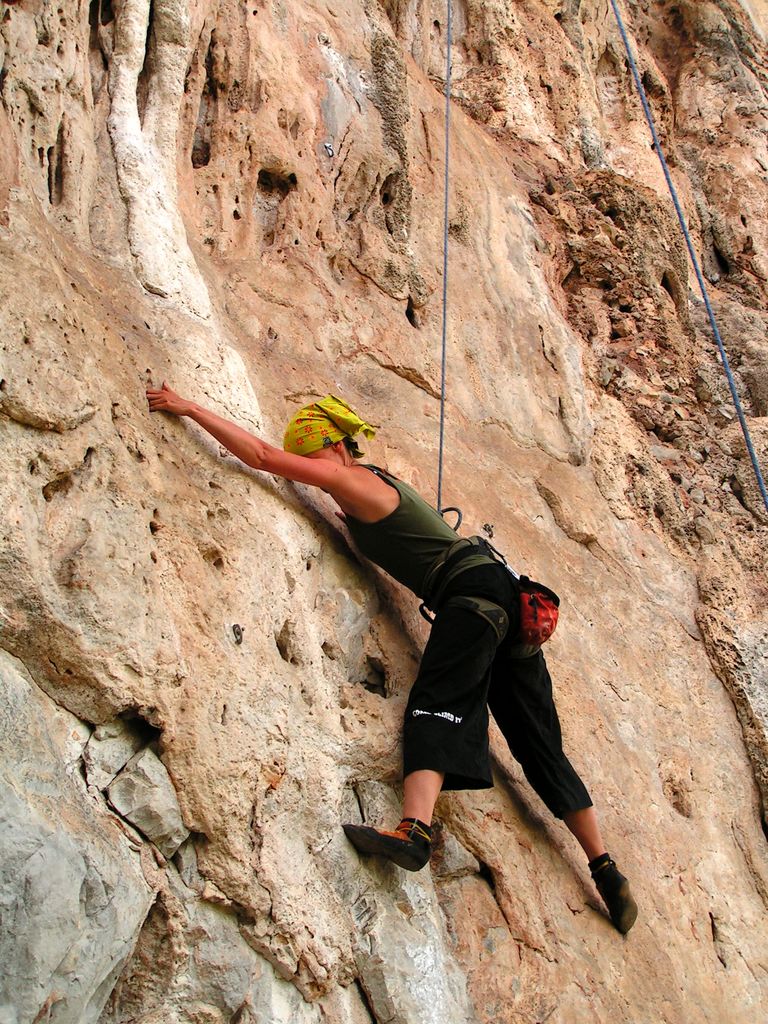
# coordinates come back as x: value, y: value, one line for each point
x: 144, y: 795
x: 72, y: 889
x: 245, y: 199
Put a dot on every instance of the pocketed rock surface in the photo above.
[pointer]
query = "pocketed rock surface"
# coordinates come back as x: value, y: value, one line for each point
x: 245, y: 199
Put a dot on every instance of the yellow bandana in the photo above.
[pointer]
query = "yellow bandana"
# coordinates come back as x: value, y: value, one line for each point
x: 322, y: 424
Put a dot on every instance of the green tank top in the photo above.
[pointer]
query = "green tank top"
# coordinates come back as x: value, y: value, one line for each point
x: 410, y: 540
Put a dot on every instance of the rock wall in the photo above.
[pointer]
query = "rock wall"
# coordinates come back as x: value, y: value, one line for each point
x: 245, y: 199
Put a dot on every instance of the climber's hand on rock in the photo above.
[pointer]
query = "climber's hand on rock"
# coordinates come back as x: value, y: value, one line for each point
x: 163, y: 399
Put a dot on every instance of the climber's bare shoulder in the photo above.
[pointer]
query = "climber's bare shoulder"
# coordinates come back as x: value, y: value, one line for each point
x: 363, y: 495
x: 357, y: 491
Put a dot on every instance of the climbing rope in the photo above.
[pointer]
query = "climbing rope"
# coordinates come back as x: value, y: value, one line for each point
x: 441, y: 446
x: 692, y: 252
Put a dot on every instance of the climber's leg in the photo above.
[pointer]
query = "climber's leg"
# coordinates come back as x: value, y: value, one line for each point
x: 521, y: 701
x: 420, y: 792
x: 445, y: 736
x: 584, y: 826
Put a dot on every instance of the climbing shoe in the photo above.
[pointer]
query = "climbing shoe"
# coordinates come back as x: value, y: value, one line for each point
x: 614, y: 889
x: 409, y: 846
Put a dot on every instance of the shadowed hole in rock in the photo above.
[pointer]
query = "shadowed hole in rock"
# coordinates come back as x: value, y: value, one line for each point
x: 95, y: 19
x: 653, y: 87
x: 359, y: 801
x: 214, y: 557
x: 410, y: 313
x: 240, y: 1013
x: 62, y: 483
x: 137, y: 720
x: 272, y: 188
x: 615, y: 215
x: 716, y: 939
x: 487, y: 875
x: 375, y: 680
x: 365, y: 1000
x: 738, y: 492
x: 388, y: 190
x: 56, y: 169
x: 276, y: 182
x: 722, y: 261
x: 201, y: 145
x: 670, y: 285
x: 285, y: 641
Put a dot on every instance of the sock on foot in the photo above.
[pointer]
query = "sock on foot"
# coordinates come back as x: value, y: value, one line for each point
x: 599, y: 862
x: 412, y: 827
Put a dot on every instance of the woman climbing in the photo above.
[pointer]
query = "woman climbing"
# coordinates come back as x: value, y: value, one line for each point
x: 474, y: 660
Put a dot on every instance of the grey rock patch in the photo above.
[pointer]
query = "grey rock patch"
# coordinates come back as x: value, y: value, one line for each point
x: 223, y: 977
x: 185, y: 860
x: 451, y: 859
x: 143, y: 794
x: 109, y: 749
x: 73, y: 896
x: 404, y: 959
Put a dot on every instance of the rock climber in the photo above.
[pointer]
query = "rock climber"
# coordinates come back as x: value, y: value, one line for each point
x: 473, y: 661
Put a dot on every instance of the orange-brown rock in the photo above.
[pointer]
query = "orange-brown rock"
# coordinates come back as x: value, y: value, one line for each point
x: 245, y: 199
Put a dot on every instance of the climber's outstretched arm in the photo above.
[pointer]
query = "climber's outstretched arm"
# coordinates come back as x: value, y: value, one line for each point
x: 246, y: 446
x: 357, y: 491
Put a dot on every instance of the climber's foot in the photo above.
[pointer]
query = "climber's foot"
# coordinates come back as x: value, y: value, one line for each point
x: 614, y: 889
x: 409, y: 846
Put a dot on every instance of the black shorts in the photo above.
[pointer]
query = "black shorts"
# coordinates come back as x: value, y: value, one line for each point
x: 465, y: 671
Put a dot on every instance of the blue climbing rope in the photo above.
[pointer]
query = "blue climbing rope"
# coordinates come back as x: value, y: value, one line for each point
x: 441, y: 446
x: 692, y: 252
